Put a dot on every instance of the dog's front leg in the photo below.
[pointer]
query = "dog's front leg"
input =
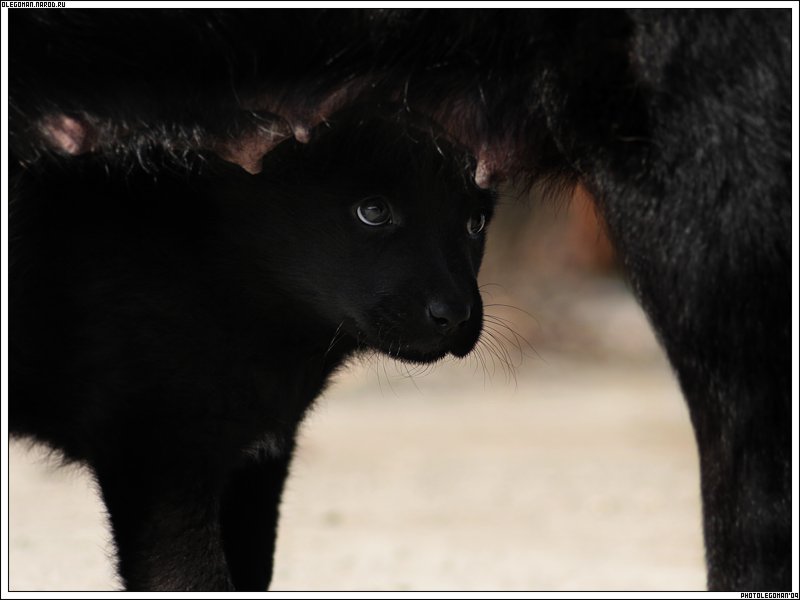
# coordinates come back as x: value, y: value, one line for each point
x: 249, y: 517
x: 166, y: 529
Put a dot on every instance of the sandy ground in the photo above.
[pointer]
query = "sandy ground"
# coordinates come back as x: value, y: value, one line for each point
x: 581, y: 474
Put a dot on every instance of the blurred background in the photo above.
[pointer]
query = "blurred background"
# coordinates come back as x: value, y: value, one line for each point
x: 558, y: 457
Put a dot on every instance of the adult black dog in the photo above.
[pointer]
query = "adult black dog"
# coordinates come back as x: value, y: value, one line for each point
x: 677, y: 121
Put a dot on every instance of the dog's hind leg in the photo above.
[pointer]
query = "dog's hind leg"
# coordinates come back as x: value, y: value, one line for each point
x: 698, y: 203
x: 726, y: 331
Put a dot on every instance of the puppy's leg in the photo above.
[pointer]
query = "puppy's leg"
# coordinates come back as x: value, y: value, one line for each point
x: 166, y: 529
x: 249, y: 516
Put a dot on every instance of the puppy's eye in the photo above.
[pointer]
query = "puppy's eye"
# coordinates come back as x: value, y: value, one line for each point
x: 476, y: 223
x: 374, y: 211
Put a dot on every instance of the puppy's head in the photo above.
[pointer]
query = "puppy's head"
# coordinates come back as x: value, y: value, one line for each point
x: 380, y: 232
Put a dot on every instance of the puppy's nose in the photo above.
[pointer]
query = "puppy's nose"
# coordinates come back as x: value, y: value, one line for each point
x: 449, y: 316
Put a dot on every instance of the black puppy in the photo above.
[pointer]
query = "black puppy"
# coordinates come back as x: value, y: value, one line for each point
x: 171, y: 331
x: 678, y: 122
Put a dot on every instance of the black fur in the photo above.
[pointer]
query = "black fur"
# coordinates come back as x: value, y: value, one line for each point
x: 679, y: 122
x: 171, y: 331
